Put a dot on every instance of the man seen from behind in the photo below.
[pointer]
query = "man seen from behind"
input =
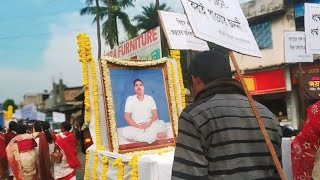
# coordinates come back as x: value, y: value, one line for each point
x: 219, y: 137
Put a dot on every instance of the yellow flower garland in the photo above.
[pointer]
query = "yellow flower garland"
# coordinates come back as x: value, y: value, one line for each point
x: 81, y: 37
x: 118, y: 163
x: 105, y: 160
x: 172, y: 98
x: 86, y: 169
x: 95, y: 165
x: 85, y: 56
x: 176, y: 55
x: 134, y: 175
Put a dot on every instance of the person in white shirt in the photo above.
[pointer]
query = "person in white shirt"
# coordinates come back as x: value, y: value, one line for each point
x: 142, y: 117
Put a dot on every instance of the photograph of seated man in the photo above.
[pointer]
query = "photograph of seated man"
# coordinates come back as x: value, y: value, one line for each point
x: 142, y: 117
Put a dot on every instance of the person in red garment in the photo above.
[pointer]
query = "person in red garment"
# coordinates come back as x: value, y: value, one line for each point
x: 21, y: 155
x: 3, y: 158
x: 11, y: 132
x: 67, y: 143
x: 305, y: 145
x: 42, y: 152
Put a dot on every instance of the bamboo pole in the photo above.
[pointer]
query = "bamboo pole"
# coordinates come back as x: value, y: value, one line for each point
x: 259, y: 119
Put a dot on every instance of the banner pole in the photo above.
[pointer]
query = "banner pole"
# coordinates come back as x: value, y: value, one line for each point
x: 259, y: 119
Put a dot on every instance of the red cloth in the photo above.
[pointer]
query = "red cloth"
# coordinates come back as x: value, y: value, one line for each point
x: 68, y: 177
x: 26, y: 145
x: 68, y: 144
x: 44, y: 158
x: 3, y: 145
x: 10, y: 135
x: 306, y: 144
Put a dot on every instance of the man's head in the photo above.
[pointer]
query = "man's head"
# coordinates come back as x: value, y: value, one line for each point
x: 66, y: 126
x: 13, y: 126
x: 208, y: 66
x: 138, y: 87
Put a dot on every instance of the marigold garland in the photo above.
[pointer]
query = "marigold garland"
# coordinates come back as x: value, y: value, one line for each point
x: 105, y: 164
x: 95, y: 165
x: 134, y: 175
x: 118, y: 163
x: 176, y: 55
x: 85, y: 56
x: 85, y: 77
x: 172, y: 99
x: 86, y: 169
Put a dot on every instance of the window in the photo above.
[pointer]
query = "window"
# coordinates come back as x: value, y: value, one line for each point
x: 263, y: 35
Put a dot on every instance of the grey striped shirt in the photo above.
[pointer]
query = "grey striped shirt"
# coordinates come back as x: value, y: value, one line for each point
x: 219, y: 138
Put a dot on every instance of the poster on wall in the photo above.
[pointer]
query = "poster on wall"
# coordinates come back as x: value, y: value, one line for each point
x: 312, y: 25
x: 221, y: 22
x: 146, y: 46
x: 179, y: 33
x: 311, y: 84
x: 295, y: 48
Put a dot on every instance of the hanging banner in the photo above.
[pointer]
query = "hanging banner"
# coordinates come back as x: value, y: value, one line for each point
x: 295, y: 48
x: 221, y: 22
x: 311, y: 84
x: 312, y: 25
x: 179, y: 33
x: 145, y: 46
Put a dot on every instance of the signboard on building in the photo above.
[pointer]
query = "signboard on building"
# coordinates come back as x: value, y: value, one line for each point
x: 295, y: 48
x: 145, y: 46
x: 312, y: 25
x: 264, y: 82
x: 221, y: 22
x: 179, y: 33
x: 311, y: 83
x: 58, y: 117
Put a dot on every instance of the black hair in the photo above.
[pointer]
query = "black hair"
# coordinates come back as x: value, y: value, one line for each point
x: 66, y: 126
x: 136, y: 80
x: 210, y: 65
x: 13, y: 126
x: 46, y: 130
x: 37, y: 126
x: 21, y: 129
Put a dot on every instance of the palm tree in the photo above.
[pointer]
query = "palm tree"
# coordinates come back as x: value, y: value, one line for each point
x: 89, y: 2
x: 149, y: 17
x: 112, y: 11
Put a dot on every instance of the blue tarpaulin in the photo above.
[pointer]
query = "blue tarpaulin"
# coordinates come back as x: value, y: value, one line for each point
x: 299, y: 8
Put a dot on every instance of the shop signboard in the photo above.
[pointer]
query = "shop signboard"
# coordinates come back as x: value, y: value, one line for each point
x: 264, y: 82
x: 295, y: 47
x: 312, y: 25
x: 311, y: 83
x: 145, y: 46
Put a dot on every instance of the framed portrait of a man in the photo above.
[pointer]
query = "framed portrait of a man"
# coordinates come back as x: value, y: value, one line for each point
x: 139, y: 107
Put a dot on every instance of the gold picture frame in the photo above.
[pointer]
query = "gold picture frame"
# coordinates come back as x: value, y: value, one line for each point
x: 110, y: 67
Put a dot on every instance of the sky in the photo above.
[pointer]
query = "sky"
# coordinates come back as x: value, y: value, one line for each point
x: 38, y: 43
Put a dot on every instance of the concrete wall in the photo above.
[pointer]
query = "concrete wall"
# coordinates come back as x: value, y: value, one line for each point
x: 275, y: 55
x: 256, y: 8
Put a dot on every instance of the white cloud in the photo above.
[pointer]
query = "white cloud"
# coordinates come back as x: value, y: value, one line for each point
x: 60, y: 59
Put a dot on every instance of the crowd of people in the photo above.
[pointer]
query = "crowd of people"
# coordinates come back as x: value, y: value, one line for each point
x: 38, y: 154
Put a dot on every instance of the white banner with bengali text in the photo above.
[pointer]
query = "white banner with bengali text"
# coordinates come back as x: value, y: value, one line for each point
x: 312, y: 25
x: 179, y: 33
x: 221, y: 22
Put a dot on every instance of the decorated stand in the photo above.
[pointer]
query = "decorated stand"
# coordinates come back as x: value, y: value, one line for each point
x: 106, y: 88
